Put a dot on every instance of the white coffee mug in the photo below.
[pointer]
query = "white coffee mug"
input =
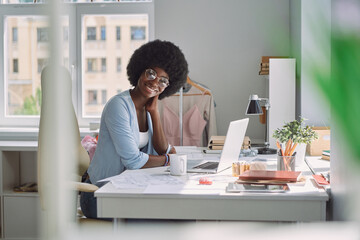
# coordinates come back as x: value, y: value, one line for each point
x: 178, y: 164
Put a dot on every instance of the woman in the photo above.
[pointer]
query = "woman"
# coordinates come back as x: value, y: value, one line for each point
x: 131, y: 136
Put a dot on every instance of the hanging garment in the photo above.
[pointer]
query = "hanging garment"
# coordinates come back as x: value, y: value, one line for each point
x: 193, y: 126
x: 199, y: 121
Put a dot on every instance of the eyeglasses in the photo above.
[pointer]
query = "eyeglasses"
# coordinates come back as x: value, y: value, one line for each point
x: 151, y: 74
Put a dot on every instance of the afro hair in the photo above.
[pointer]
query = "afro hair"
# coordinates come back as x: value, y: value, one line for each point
x: 161, y: 54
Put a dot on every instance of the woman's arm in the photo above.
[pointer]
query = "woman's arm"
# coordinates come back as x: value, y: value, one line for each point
x: 156, y: 161
x: 159, y: 140
x: 118, y: 118
x: 159, y: 160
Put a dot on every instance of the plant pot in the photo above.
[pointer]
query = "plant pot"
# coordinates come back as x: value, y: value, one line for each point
x: 300, y: 154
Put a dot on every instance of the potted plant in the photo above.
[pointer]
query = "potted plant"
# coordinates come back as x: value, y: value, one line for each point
x: 294, y: 136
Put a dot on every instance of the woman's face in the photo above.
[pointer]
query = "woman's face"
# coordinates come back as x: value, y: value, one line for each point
x: 153, y: 82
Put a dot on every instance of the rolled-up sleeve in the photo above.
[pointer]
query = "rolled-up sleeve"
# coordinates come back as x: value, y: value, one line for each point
x: 119, y: 119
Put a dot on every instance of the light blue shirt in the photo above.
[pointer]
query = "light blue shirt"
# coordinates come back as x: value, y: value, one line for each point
x: 118, y: 145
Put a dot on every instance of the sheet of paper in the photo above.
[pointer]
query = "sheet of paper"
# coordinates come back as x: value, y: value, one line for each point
x: 307, y: 188
x: 141, y: 179
x: 192, y: 186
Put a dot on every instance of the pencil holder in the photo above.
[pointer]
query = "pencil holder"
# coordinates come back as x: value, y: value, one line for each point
x: 286, y: 163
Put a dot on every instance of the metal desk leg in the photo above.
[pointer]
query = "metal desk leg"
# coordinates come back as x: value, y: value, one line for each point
x: 115, y: 225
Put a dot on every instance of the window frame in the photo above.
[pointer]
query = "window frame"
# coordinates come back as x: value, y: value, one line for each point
x: 75, y: 11
x: 5, y: 11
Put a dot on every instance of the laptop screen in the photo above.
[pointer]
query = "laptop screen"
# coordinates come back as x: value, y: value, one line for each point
x: 233, y: 142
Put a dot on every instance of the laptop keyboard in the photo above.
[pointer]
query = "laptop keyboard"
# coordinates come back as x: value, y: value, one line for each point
x: 208, y: 165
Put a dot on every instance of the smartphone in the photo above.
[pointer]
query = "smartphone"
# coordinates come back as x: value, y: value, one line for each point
x: 247, y: 187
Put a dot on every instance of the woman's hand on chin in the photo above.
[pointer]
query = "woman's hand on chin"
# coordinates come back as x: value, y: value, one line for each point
x: 152, y: 104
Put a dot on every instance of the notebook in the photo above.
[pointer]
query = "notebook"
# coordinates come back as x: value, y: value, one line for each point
x: 230, y: 153
x: 289, y: 176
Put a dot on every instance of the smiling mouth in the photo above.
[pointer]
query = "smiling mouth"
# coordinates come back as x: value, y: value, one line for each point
x: 152, y: 89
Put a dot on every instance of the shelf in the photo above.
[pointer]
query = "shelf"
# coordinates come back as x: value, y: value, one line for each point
x: 20, y: 211
x: 18, y: 145
x: 21, y: 217
x: 18, y: 167
x: 9, y: 193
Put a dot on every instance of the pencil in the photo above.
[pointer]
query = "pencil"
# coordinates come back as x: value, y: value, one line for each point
x: 280, y: 148
x: 288, y: 144
x: 293, y: 149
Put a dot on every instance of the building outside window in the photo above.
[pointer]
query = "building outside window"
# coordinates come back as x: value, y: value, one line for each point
x: 15, y: 65
x: 41, y: 64
x: 115, y: 78
x: 92, y: 97
x: 103, y: 64
x: 103, y: 33
x: 118, y: 33
x: 14, y: 34
x: 138, y: 33
x: 118, y: 64
x: 91, y: 65
x: 42, y: 35
x: 91, y: 33
x: 103, y: 96
x: 87, y: 61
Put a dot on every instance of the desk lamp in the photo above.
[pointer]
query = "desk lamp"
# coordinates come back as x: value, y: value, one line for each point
x: 254, y: 108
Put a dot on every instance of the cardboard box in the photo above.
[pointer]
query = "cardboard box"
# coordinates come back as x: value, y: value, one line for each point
x: 320, y: 144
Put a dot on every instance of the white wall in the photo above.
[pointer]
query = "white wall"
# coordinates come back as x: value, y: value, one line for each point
x: 223, y: 42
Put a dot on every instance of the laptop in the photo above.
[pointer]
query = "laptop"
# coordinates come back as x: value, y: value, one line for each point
x: 230, y: 153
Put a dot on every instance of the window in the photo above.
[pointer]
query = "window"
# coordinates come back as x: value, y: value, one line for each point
x: 91, y: 33
x: 137, y: 33
x: 90, y: 47
x: 91, y: 65
x: 103, y: 97
x: 103, y: 64
x: 42, y: 35
x: 118, y: 64
x: 103, y: 33
x: 118, y: 33
x: 92, y: 97
x: 15, y: 65
x: 14, y: 34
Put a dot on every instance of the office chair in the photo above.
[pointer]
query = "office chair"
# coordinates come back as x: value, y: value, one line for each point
x: 46, y: 130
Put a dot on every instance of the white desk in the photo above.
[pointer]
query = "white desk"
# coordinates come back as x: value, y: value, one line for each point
x: 135, y: 203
